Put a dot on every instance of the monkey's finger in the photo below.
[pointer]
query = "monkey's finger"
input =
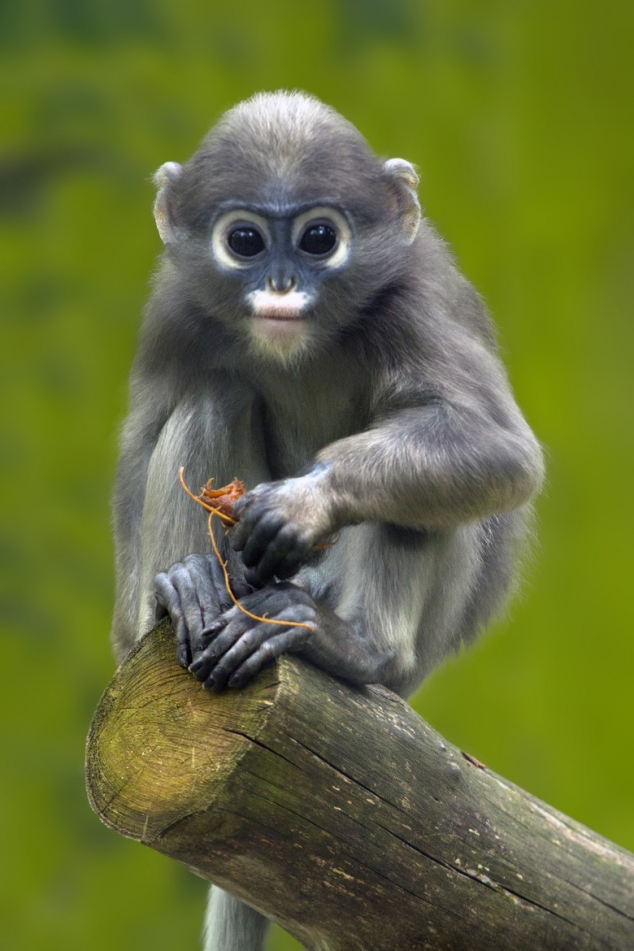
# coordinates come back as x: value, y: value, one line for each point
x: 289, y: 639
x: 269, y: 601
x: 264, y: 532
x: 239, y: 534
x: 250, y: 641
x: 222, y: 641
x: 252, y: 580
x: 204, y: 639
x: 244, y: 506
x: 218, y: 579
x: 290, y: 563
x: 255, y: 638
x: 182, y: 580
x: 209, y: 583
x: 168, y: 597
x: 230, y: 618
x: 253, y: 532
x: 241, y: 589
x: 275, y: 553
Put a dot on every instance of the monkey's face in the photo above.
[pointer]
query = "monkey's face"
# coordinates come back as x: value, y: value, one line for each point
x: 284, y: 227
x: 277, y: 260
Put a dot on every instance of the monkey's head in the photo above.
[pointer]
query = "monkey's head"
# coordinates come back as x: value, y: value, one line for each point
x: 284, y: 224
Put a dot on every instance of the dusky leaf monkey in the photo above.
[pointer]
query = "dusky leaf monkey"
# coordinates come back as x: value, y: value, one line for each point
x: 309, y: 333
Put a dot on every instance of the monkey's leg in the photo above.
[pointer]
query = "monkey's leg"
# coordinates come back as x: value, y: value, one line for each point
x: 230, y: 925
x: 377, y: 611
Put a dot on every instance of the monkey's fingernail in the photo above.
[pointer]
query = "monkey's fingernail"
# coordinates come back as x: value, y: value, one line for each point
x: 213, y: 628
x: 195, y: 666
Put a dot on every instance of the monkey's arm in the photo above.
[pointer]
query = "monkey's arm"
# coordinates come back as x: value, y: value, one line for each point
x: 138, y: 440
x: 430, y: 467
x: 433, y: 467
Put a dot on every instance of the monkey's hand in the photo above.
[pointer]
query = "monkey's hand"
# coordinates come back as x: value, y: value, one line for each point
x: 235, y: 647
x: 193, y: 593
x: 280, y: 523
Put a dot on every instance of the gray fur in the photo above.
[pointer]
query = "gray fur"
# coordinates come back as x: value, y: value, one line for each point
x: 388, y: 418
x: 231, y: 925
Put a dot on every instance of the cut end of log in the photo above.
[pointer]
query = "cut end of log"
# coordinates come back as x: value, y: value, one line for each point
x: 158, y: 737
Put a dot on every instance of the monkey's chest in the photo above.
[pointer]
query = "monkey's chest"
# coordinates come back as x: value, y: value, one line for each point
x: 292, y: 438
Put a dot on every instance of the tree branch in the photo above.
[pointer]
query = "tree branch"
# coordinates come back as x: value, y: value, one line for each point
x: 343, y: 816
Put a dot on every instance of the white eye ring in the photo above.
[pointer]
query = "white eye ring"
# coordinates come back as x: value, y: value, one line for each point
x: 221, y: 252
x: 341, y: 226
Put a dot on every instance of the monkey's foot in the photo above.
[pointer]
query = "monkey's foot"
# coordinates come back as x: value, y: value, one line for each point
x: 194, y: 594
x: 235, y: 647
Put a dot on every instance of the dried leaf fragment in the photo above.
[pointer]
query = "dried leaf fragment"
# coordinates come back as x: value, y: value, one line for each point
x: 217, y: 501
x: 222, y: 500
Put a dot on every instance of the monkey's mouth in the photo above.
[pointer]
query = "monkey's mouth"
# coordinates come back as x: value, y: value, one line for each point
x: 269, y: 305
x: 288, y: 315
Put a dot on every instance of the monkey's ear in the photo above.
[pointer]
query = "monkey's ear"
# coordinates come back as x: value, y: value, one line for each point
x: 163, y: 178
x: 404, y: 177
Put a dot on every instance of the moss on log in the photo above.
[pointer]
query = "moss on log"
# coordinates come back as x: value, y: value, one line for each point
x: 343, y: 816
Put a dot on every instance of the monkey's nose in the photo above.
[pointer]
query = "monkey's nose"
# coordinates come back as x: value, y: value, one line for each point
x: 281, y: 283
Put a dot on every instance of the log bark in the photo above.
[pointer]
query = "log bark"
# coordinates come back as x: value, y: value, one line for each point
x: 343, y: 816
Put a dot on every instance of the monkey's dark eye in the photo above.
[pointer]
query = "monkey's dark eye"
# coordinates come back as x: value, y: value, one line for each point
x: 318, y: 239
x: 247, y: 242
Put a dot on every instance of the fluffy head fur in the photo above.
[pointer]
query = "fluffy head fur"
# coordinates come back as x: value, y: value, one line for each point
x: 279, y: 148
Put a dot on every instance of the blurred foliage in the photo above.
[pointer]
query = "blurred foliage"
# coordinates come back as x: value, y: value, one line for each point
x: 519, y: 115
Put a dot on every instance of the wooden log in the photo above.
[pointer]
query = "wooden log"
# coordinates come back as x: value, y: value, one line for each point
x: 343, y: 816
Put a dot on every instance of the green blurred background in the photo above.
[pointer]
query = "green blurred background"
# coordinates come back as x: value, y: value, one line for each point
x: 519, y: 115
